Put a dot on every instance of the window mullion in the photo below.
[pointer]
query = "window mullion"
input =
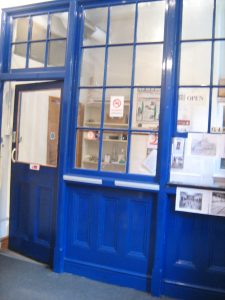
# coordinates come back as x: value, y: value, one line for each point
x: 132, y: 91
x: 104, y: 92
x: 212, y: 68
x: 28, y: 42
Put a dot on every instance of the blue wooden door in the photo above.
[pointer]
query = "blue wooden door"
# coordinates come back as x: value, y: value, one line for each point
x: 34, y: 171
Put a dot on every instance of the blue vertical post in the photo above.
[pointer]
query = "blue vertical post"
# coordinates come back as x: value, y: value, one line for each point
x: 59, y: 251
x: 165, y: 134
x: 3, y: 64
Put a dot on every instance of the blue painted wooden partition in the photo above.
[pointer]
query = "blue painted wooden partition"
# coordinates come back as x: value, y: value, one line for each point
x: 126, y: 236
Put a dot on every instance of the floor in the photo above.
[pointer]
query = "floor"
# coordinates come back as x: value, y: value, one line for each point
x: 23, y: 279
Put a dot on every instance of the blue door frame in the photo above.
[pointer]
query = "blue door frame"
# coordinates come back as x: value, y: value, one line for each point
x: 177, y: 266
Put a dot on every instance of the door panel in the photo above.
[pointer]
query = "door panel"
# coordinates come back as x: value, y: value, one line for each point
x: 34, y: 190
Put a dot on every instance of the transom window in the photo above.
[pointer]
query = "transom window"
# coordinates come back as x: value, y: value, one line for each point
x: 120, y: 88
x: 39, y: 41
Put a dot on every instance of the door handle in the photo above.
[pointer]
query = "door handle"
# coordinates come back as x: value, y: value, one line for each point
x: 13, y: 157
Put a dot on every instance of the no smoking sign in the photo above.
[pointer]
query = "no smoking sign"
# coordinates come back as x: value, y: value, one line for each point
x: 116, y: 106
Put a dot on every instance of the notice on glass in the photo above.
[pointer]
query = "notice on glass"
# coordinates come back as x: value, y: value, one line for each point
x: 177, y: 160
x: 116, y: 106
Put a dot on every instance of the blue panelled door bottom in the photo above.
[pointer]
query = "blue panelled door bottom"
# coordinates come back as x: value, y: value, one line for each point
x: 110, y: 235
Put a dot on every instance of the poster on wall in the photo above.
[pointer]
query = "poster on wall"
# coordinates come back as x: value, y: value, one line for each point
x: 149, y: 162
x: 192, y: 200
x: 177, y: 159
x: 148, y: 107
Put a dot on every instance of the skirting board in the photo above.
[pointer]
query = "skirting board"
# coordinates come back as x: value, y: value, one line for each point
x: 187, y: 291
x: 108, y: 275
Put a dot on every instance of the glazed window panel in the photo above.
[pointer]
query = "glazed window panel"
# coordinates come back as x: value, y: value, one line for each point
x: 92, y: 67
x: 58, y: 25
x: 90, y: 108
x: 39, y: 28
x: 150, y: 27
x: 114, y: 152
x: 195, y: 63
x: 218, y: 110
x: 56, y: 53
x: 193, y: 109
x: 20, y: 30
x: 44, y: 38
x: 87, y: 149
x: 197, y: 19
x: 18, y: 56
x: 37, y: 55
x: 122, y: 19
x: 146, y: 108
x: 119, y: 89
x: 148, y: 68
x: 119, y: 68
x: 220, y: 19
x: 95, y: 26
x: 143, y: 154
x: 113, y: 117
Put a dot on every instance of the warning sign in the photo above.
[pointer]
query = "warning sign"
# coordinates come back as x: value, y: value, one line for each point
x: 116, y: 106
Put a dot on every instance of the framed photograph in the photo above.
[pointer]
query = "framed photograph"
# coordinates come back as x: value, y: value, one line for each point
x: 217, y: 205
x: 192, y: 200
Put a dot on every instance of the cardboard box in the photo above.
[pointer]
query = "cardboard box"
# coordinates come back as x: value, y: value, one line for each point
x: 221, y: 91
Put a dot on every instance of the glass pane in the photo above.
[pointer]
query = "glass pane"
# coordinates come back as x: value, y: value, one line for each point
x: 18, y: 56
x: 195, y: 63
x: 119, y: 67
x: 143, y: 154
x: 39, y: 27
x: 58, y: 25
x: 218, y: 111
x: 38, y: 127
x: 56, y: 53
x: 95, y: 26
x: 220, y: 19
x: 117, y: 108
x: 20, y: 29
x: 92, y: 67
x: 148, y: 67
x: 219, y: 63
x: 193, y: 109
x: 114, y: 152
x: 122, y: 24
x: 197, y: 19
x: 87, y: 149
x: 146, y: 108
x: 37, y: 55
x: 90, y: 108
x: 151, y: 17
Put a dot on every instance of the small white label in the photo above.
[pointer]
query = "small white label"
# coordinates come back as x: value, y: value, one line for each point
x: 116, y: 106
x: 35, y: 167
